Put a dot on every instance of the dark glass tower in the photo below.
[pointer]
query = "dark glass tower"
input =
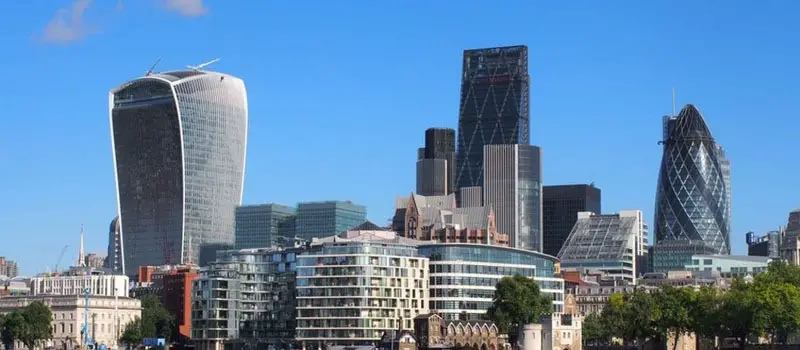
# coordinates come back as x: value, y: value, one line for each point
x: 561, y: 205
x: 494, y: 107
x: 436, y: 165
x: 693, y: 195
x: 178, y: 141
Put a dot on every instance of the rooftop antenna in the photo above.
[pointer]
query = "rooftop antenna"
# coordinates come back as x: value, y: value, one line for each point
x: 203, y: 65
x: 673, y: 102
x: 150, y: 71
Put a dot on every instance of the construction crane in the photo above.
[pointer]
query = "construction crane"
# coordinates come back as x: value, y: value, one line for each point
x: 60, y: 256
x: 202, y: 65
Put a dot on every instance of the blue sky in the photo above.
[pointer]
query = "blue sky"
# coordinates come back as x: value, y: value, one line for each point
x: 341, y: 91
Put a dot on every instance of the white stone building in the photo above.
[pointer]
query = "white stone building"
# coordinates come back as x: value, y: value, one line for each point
x: 98, y: 284
x: 107, y: 317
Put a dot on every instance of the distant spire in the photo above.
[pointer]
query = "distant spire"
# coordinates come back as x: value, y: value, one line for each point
x: 81, y: 259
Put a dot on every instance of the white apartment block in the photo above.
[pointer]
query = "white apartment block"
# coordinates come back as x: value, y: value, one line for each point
x: 358, y: 286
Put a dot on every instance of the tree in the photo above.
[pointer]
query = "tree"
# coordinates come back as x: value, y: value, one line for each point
x: 133, y: 332
x: 593, y: 330
x: 738, y: 311
x: 638, y: 312
x: 673, y: 315
x: 11, y: 326
x: 613, y: 317
x: 156, y: 322
x: 706, y: 307
x: 38, y: 321
x: 777, y: 310
x: 780, y: 271
x: 517, y: 301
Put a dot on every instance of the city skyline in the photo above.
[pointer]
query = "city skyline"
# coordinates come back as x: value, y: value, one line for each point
x: 594, y: 112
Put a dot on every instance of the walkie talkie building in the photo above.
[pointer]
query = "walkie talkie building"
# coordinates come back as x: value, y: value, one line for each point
x: 179, y: 141
x: 693, y: 195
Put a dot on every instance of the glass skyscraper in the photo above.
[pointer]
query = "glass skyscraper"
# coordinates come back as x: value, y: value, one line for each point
x: 323, y: 219
x: 693, y: 194
x: 179, y: 141
x: 494, y: 107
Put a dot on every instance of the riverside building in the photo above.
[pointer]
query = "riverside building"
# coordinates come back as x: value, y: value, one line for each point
x: 357, y: 286
x: 463, y: 276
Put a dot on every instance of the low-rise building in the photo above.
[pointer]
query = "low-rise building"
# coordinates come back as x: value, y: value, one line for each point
x: 80, y: 279
x: 107, y: 317
x: 729, y: 266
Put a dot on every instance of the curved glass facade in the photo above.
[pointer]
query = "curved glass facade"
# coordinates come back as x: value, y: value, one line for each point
x: 693, y: 195
x: 179, y: 141
x: 463, y: 276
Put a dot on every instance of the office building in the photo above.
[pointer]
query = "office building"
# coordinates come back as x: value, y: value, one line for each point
x: 94, y: 260
x: 463, y: 276
x: 259, y: 226
x: 790, y: 244
x: 560, y: 207
x: 114, y: 257
x: 246, y: 296
x: 76, y: 283
x: 107, y: 318
x: 179, y: 141
x: 494, y: 107
x: 768, y: 245
x: 693, y: 193
x: 359, y: 285
x: 323, y: 219
x: 470, y: 196
x: 729, y: 266
x: 609, y: 243
x: 436, y: 168
x: 512, y: 188
x: 8, y: 267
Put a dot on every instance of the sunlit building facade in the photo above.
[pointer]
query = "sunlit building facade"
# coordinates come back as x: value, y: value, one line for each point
x: 359, y: 285
x: 693, y: 196
x: 179, y: 141
x: 463, y: 276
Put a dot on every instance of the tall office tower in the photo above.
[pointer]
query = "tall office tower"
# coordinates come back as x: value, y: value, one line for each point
x: 258, y: 226
x: 114, y: 257
x: 494, y: 107
x: 179, y: 141
x: 725, y: 166
x: 8, y: 268
x: 610, y: 243
x: 790, y: 244
x: 560, y: 207
x: 436, y: 168
x: 512, y: 188
x: 693, y: 194
x: 322, y: 219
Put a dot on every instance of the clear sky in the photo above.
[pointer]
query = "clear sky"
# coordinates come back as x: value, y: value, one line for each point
x: 341, y: 91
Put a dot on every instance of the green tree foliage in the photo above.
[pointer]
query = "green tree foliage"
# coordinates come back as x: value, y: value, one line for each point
x: 768, y: 306
x: 156, y: 322
x: 673, y: 314
x: 38, y: 322
x: 30, y: 325
x: 11, y: 326
x: 593, y: 330
x: 613, y: 317
x: 133, y: 332
x: 517, y: 301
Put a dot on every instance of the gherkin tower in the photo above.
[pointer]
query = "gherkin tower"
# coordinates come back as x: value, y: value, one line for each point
x: 693, y: 198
